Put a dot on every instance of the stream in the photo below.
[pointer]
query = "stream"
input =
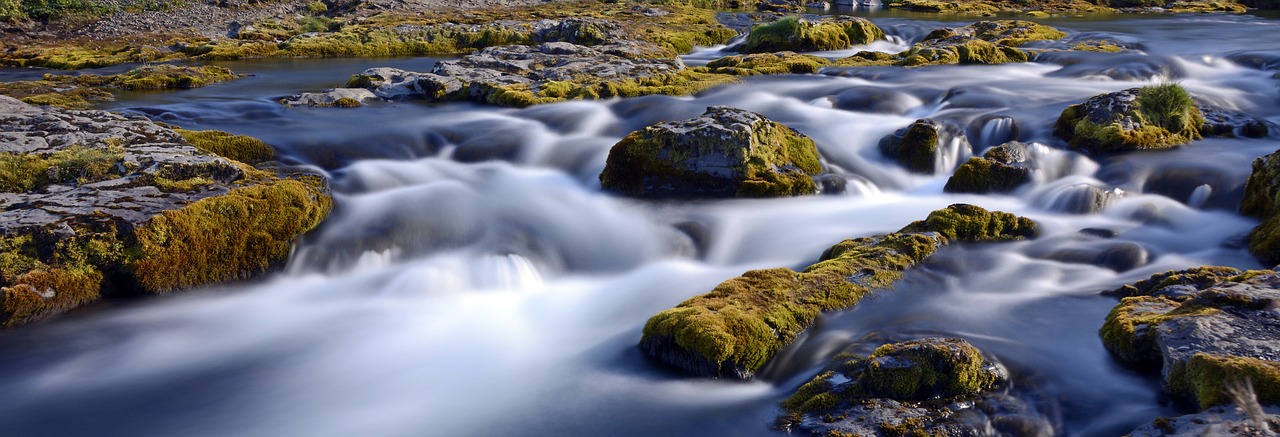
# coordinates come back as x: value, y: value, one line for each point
x: 473, y: 279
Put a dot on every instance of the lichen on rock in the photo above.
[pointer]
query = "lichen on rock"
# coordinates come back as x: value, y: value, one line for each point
x: 725, y: 152
x: 734, y: 329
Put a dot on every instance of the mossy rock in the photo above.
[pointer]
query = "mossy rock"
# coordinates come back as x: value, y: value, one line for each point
x: 84, y: 91
x: 1153, y: 117
x: 734, y: 329
x: 916, y: 146
x: 796, y: 34
x: 1201, y: 337
x: 1183, y: 7
x: 1262, y: 200
x: 768, y: 63
x: 948, y: 7
x: 725, y: 152
x: 241, y: 148
x: 999, y: 170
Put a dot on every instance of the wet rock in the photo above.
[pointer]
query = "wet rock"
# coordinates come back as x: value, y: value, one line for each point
x: 984, y: 42
x: 1153, y: 117
x: 922, y: 145
x: 101, y: 204
x: 1115, y: 255
x: 1000, y: 170
x: 1224, y: 123
x: 799, y: 35
x: 733, y: 330
x: 1203, y: 338
x: 725, y: 152
x: 1081, y: 198
x: 1217, y: 421
x: 931, y: 386
x: 580, y: 31
x: 554, y: 71
x: 768, y: 63
x: 1261, y: 194
x: 341, y: 97
x: 875, y: 99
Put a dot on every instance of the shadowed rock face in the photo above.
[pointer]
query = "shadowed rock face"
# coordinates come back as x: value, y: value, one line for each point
x: 95, y: 203
x: 1262, y: 200
x: 725, y: 152
x: 1000, y: 170
x: 1203, y: 328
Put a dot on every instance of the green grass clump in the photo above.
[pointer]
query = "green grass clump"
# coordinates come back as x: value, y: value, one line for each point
x: 795, y: 34
x: 233, y: 236
x: 241, y: 148
x: 24, y: 172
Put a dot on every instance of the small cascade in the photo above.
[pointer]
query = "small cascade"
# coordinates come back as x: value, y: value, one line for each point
x: 1199, y: 196
x: 996, y: 131
x: 953, y: 149
x: 1072, y: 196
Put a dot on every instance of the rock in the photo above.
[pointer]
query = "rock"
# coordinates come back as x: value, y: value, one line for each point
x: 341, y: 97
x: 1261, y: 194
x: 1201, y: 337
x: 105, y: 205
x: 521, y: 75
x: 581, y: 31
x: 796, y: 34
x: 875, y: 99
x: 725, y: 152
x: 999, y: 170
x: 733, y: 330
x: 1153, y: 117
x: 1217, y: 421
x: 923, y: 145
x: 931, y: 386
x: 768, y: 63
x: 1224, y: 123
x: 1082, y: 198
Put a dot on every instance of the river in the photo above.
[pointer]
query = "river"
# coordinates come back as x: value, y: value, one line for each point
x: 473, y: 279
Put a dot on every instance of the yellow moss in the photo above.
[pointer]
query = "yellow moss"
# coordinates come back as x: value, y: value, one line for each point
x: 795, y: 34
x: 236, y: 147
x: 1203, y: 378
x: 1165, y: 116
x: 42, y: 292
x: 1128, y: 331
x: 768, y: 63
x: 23, y: 172
x: 228, y: 237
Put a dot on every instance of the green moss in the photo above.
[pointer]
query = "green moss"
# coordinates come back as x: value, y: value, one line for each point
x: 915, y: 148
x: 1163, y: 116
x: 814, y: 395
x: 235, y: 147
x: 918, y: 370
x: 52, y: 93
x: 1014, y: 33
x: 1199, y: 277
x: 317, y: 8
x: 949, y: 7
x: 82, y: 54
x: 768, y: 63
x: 347, y: 102
x: 1097, y: 46
x: 741, y: 323
x: 972, y: 223
x: 985, y: 175
x: 1128, y: 332
x: 1262, y: 189
x: 1264, y: 241
x: 42, y: 275
x: 233, y: 236
x: 1202, y: 379
x: 795, y: 34
x: 1206, y: 6
x: 23, y: 172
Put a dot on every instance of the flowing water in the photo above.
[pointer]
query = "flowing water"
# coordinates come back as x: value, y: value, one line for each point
x: 474, y: 280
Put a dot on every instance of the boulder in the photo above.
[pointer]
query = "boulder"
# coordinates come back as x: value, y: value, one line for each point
x: 922, y: 145
x: 733, y: 330
x: 98, y: 204
x: 984, y: 42
x: 1224, y: 421
x: 725, y: 152
x: 930, y: 386
x: 1153, y: 117
x: 1202, y: 335
x: 1262, y: 200
x: 339, y: 97
x: 999, y: 170
x: 795, y: 34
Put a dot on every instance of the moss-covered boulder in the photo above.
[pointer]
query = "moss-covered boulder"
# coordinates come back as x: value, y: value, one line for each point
x: 1201, y: 334
x: 795, y: 34
x: 999, y: 170
x: 734, y: 329
x: 1153, y: 117
x: 85, y: 90
x: 984, y: 42
x: 96, y: 205
x: 922, y: 145
x: 725, y: 152
x: 1262, y: 200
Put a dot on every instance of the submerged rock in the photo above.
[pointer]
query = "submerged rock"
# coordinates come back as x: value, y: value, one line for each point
x: 519, y: 75
x: 999, y: 170
x: 920, y: 146
x: 931, y: 386
x: 1262, y: 200
x: 799, y: 35
x: 97, y: 204
x: 1153, y: 117
x: 734, y: 329
x: 725, y: 152
x: 1202, y: 335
